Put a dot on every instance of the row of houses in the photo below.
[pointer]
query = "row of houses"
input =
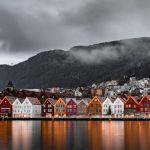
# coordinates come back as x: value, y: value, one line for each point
x: 32, y: 107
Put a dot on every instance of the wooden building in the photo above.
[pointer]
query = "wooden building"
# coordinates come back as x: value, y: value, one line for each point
x: 94, y: 107
x: 60, y: 108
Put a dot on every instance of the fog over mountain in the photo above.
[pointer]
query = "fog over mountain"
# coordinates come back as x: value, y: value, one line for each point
x: 28, y: 27
x: 81, y: 64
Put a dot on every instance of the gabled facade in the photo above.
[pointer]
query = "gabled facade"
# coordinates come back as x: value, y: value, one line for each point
x: 107, y: 107
x: 118, y: 106
x: 94, y: 107
x: 131, y: 106
x: 48, y: 108
x: 82, y: 107
x: 60, y: 108
x: 6, y: 107
x: 71, y: 107
x: 144, y: 104
x: 31, y: 107
x: 17, y: 107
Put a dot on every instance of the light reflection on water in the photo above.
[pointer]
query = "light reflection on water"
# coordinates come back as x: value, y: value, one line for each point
x: 74, y: 135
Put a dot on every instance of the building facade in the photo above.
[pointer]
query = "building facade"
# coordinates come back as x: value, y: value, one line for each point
x: 82, y: 107
x: 60, y: 108
x: 118, y: 107
x: 131, y: 106
x: 107, y: 107
x: 144, y: 105
x: 71, y: 107
x: 5, y: 107
x: 17, y: 107
x: 94, y: 107
x: 31, y: 107
x: 48, y: 108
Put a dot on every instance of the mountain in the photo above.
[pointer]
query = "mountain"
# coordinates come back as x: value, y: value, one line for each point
x: 81, y: 65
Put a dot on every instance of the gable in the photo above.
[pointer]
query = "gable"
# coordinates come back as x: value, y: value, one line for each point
x: 71, y: 102
x: 118, y: 101
x: 107, y: 101
x: 16, y: 102
x: 131, y: 100
x: 59, y: 101
x: 144, y: 99
x: 26, y: 102
x: 94, y: 100
x: 5, y: 101
x: 82, y: 103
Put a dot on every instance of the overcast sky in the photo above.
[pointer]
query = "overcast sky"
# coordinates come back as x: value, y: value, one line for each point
x: 30, y: 26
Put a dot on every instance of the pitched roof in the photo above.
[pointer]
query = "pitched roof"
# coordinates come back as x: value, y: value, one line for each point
x: 69, y: 99
x: 133, y: 98
x: 34, y: 101
x: 11, y: 99
x: 82, y: 100
x: 59, y: 100
x: 95, y: 97
x: 145, y: 96
x: 119, y: 99
x: 51, y: 100
x: 103, y: 99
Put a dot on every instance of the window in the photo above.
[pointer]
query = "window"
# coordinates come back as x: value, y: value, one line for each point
x: 49, y: 110
x: 49, y: 105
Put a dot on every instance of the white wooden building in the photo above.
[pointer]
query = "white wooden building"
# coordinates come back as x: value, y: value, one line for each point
x: 17, y: 107
x: 31, y: 107
x: 107, y: 107
x: 118, y: 107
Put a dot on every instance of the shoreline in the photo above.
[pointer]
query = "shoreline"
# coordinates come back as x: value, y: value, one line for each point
x: 74, y: 119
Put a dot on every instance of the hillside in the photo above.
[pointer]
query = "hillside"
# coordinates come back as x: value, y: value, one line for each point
x: 81, y: 64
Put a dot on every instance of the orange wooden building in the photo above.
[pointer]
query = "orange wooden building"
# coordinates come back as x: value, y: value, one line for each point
x: 60, y: 108
x: 94, y: 107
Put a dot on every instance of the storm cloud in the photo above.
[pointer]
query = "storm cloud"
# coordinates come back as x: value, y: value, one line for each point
x: 31, y: 26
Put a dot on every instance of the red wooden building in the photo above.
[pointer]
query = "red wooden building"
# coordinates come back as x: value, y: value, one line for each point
x: 47, y: 107
x: 71, y: 108
x: 144, y: 104
x: 6, y: 106
x: 131, y: 106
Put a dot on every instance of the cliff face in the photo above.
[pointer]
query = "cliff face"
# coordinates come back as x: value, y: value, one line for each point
x: 81, y: 64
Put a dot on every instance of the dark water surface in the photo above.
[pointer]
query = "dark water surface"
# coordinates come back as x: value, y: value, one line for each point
x: 74, y: 135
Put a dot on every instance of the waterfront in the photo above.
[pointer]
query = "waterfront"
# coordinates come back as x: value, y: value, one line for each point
x: 73, y: 135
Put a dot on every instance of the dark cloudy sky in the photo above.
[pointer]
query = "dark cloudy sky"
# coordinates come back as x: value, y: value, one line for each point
x: 30, y: 26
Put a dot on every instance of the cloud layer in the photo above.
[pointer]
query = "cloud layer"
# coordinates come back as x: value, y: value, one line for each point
x: 31, y: 26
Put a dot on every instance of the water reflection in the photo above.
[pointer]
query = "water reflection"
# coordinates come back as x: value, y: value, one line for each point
x: 74, y: 135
